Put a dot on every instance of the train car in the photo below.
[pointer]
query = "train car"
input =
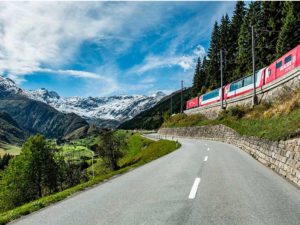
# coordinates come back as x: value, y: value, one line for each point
x: 278, y: 68
x: 244, y: 85
x: 210, y: 97
x: 283, y: 65
x: 192, y: 103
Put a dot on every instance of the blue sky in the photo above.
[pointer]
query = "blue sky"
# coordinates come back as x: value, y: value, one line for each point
x: 105, y: 48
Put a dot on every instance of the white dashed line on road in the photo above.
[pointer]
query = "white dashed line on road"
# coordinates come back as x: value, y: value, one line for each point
x: 205, y: 158
x: 208, y: 149
x: 194, y: 189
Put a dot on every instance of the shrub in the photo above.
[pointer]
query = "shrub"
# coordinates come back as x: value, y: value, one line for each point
x: 237, y: 111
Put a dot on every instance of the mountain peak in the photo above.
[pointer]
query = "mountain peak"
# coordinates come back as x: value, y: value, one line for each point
x: 159, y: 94
x: 44, y: 95
x: 8, y: 87
x: 106, y: 111
x: 99, y: 110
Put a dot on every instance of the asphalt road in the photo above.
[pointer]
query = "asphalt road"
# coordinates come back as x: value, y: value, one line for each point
x: 193, y: 185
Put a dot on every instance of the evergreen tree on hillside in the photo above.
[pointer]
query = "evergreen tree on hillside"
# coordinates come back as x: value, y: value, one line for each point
x: 31, y: 175
x: 235, y: 27
x: 272, y: 22
x: 225, y: 45
x: 112, y: 148
x: 289, y: 35
x: 244, y: 59
x: 212, y: 73
x: 204, y: 75
x: 198, y: 79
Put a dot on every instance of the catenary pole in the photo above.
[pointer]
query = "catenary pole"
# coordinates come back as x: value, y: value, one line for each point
x: 221, y: 68
x: 253, y: 67
x: 181, y: 105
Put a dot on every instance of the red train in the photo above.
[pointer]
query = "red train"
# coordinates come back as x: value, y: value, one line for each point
x: 278, y: 68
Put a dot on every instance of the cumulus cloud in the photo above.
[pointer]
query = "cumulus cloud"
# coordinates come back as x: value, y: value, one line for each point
x: 186, y: 62
x: 199, y: 51
x: 36, y: 36
x: 45, y: 37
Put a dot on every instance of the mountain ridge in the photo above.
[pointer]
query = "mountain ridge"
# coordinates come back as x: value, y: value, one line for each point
x: 10, y: 131
x: 33, y: 116
x: 103, y: 111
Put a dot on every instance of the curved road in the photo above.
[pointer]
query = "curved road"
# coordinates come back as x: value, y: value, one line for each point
x: 204, y: 182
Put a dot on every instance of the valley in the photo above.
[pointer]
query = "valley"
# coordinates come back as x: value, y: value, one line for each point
x: 129, y: 113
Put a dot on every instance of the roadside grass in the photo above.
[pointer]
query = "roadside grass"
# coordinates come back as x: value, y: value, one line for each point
x: 140, y: 151
x: 281, y: 125
x: 150, y: 152
x: 136, y: 143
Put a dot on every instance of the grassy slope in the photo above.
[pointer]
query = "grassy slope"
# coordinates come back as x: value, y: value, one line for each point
x: 279, y: 120
x: 10, y: 149
x: 75, y: 152
x: 140, y: 151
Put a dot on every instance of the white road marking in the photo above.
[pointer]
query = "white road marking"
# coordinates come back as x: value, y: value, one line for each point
x: 208, y: 149
x: 205, y: 144
x: 205, y: 158
x: 194, y: 188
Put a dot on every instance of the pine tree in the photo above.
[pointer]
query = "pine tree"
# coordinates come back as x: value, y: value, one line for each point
x: 225, y: 45
x: 272, y: 22
x: 198, y: 79
x: 289, y: 35
x: 204, y: 72
x: 235, y: 27
x: 30, y: 175
x: 112, y: 148
x: 253, y: 18
x: 212, y: 72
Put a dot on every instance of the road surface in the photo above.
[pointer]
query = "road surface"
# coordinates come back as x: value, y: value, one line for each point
x: 204, y: 182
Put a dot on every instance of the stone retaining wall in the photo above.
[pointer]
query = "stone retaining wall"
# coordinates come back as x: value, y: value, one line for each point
x: 268, y: 92
x: 282, y: 156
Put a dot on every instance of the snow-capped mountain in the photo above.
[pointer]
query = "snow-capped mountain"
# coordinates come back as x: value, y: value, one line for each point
x: 8, y: 88
x: 104, y: 111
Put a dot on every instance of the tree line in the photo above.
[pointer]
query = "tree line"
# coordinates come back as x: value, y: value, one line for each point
x: 41, y: 170
x: 277, y: 30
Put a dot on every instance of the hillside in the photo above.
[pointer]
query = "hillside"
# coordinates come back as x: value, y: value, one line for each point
x: 34, y: 116
x: 38, y: 117
x: 10, y: 132
x: 153, y: 118
x: 277, y: 120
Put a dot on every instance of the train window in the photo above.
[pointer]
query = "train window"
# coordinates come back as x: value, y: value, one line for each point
x: 236, y: 85
x: 287, y: 59
x: 233, y: 87
x: 278, y: 64
x: 212, y: 94
x: 248, y: 81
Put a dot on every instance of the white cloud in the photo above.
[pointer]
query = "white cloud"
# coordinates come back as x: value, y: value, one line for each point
x: 46, y: 36
x: 35, y: 35
x: 74, y: 73
x: 199, y: 51
x: 148, y: 80
x: 186, y: 62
